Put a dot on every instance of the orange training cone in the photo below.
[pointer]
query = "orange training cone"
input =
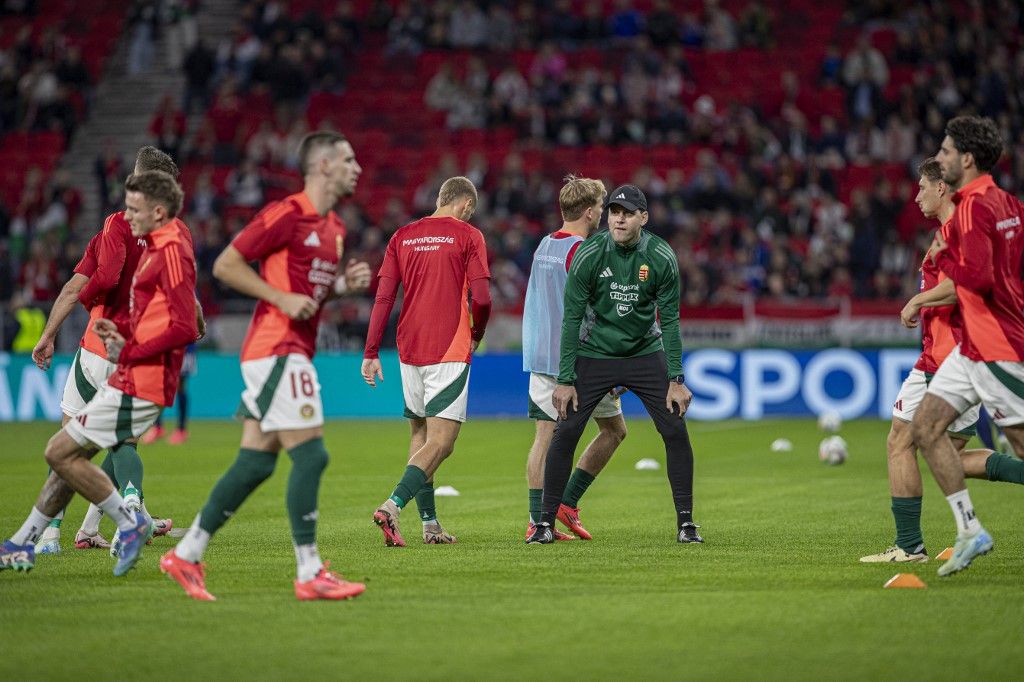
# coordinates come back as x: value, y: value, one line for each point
x: 908, y: 580
x: 945, y: 555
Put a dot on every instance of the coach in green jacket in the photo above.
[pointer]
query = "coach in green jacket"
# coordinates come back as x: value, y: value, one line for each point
x: 621, y: 328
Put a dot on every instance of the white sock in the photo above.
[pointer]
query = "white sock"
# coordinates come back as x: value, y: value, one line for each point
x: 91, y: 522
x: 144, y: 510
x: 33, y: 527
x: 193, y: 545
x: 60, y: 515
x: 115, y: 508
x: 307, y: 559
x: 963, y: 512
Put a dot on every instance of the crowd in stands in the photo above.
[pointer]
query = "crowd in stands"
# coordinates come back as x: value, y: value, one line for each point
x: 777, y: 142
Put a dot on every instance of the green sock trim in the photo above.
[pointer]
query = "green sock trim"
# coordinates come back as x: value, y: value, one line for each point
x: 1000, y: 467
x: 536, y: 504
x: 249, y: 469
x: 425, y: 502
x: 906, y: 511
x: 55, y: 522
x: 127, y: 466
x: 411, y: 483
x: 577, y: 485
x: 309, y: 460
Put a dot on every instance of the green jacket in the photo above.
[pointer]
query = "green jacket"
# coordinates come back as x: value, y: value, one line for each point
x: 614, y: 298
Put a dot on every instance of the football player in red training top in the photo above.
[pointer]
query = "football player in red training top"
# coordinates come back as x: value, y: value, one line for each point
x: 162, y: 322
x: 935, y: 310
x: 441, y: 263
x: 102, y: 282
x: 299, y: 243
x: 982, y: 256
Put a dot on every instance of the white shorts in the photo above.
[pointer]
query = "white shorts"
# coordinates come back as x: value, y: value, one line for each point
x: 111, y: 417
x: 964, y: 383
x: 282, y: 392
x: 440, y: 390
x: 88, y: 372
x: 542, y: 386
x: 912, y: 393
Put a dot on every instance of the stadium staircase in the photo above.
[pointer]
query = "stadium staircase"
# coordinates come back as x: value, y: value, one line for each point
x: 124, y: 106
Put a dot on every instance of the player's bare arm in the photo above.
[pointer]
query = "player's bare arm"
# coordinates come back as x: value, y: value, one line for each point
x: 355, y: 279
x: 944, y: 293
x: 111, y: 337
x: 562, y: 396
x: 42, y: 354
x: 678, y: 396
x: 232, y: 269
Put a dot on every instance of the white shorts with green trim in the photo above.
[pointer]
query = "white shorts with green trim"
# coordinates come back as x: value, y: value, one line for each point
x: 912, y: 393
x: 964, y: 383
x: 282, y: 392
x: 542, y: 387
x: 88, y: 372
x: 440, y: 390
x: 111, y: 417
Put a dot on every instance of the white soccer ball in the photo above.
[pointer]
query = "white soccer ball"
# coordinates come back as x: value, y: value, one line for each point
x: 830, y: 422
x: 832, y: 451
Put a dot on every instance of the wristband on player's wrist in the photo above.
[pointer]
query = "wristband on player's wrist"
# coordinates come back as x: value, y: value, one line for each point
x: 679, y: 378
x: 340, y: 285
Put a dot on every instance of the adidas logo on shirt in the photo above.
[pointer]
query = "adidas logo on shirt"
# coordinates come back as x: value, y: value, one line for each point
x: 312, y: 240
x: 607, y: 272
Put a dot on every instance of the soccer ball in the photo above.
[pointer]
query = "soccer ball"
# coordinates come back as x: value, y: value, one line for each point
x: 832, y: 450
x: 830, y: 422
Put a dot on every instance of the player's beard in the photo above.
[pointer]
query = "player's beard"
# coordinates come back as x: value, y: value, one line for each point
x: 953, y: 176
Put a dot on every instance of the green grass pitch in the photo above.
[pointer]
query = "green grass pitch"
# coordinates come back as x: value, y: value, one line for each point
x: 776, y: 592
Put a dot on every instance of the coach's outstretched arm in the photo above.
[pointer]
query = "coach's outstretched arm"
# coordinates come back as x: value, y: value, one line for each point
x: 668, y: 315
x: 677, y: 395
x: 232, y: 269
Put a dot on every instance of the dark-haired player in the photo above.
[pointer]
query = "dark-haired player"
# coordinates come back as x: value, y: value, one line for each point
x: 982, y: 256
x: 299, y: 244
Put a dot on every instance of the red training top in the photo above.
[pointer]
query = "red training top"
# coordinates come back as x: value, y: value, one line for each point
x: 109, y: 262
x: 299, y: 251
x: 986, y: 241
x: 437, y: 261
x: 941, y: 326
x: 163, y: 317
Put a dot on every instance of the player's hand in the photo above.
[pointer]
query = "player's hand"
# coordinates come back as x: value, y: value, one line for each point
x: 296, y: 306
x: 200, y: 321
x: 938, y: 246
x: 112, y: 339
x: 678, y: 395
x: 909, y: 315
x: 104, y: 327
x: 372, y: 371
x: 562, y: 396
x: 357, y: 276
x: 42, y: 354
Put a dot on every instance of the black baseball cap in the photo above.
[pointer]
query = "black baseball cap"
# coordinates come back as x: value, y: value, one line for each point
x: 628, y: 197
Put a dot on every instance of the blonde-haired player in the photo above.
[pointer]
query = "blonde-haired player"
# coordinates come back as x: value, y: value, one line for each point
x: 581, y: 201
